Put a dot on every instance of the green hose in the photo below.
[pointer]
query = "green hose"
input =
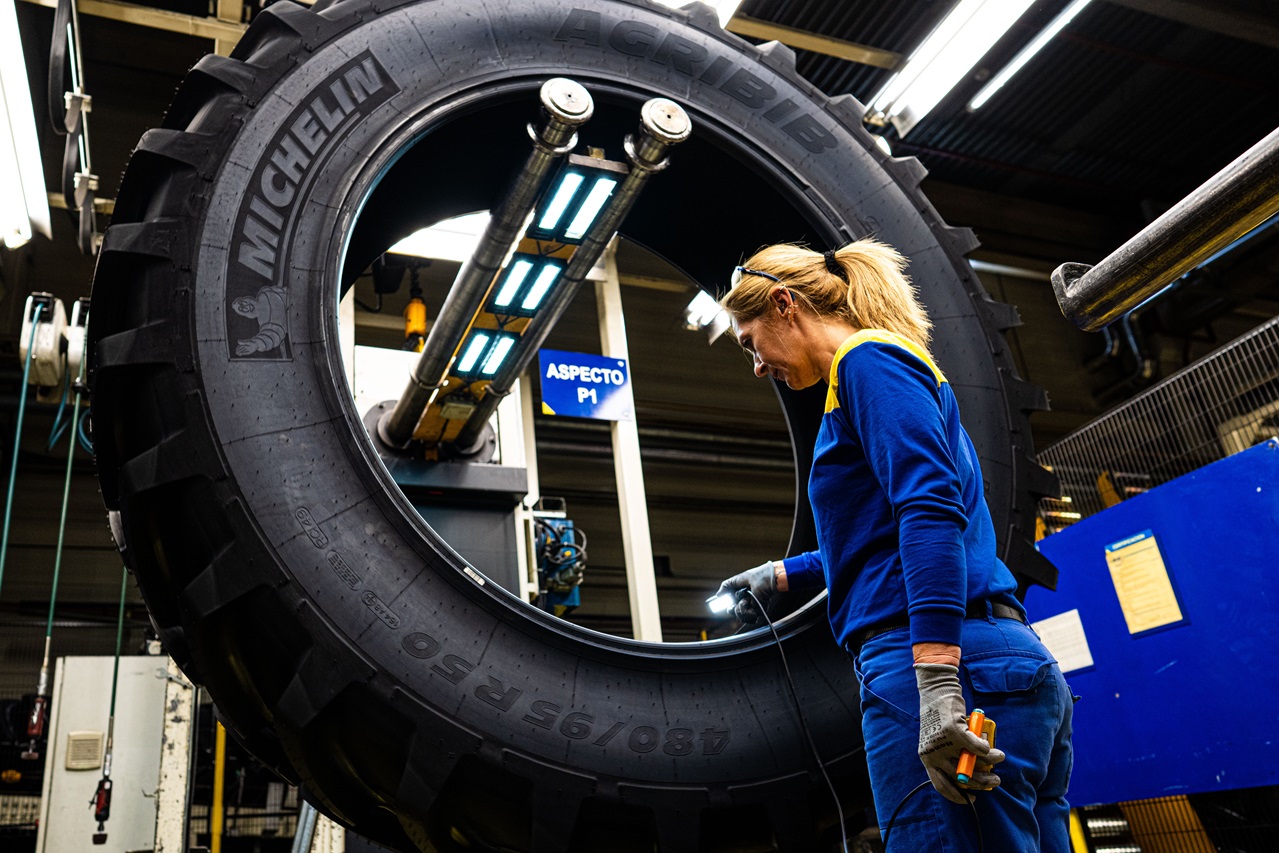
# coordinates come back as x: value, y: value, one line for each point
x: 42, y: 684
x: 17, y: 435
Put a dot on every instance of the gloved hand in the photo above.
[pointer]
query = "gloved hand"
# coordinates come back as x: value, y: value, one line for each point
x: 761, y: 580
x: 943, y: 733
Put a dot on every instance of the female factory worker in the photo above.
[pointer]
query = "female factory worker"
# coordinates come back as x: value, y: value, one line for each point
x: 906, y: 549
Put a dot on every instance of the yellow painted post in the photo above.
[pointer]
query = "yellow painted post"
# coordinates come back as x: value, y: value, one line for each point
x: 219, y: 773
x: 1078, y: 841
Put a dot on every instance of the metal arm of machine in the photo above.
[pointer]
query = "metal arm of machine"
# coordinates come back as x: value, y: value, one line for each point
x: 1227, y: 206
x: 567, y: 106
x: 663, y: 123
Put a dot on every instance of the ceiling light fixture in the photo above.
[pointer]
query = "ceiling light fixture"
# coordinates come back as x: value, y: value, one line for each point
x: 943, y: 59
x: 1026, y: 54
x: 24, y: 205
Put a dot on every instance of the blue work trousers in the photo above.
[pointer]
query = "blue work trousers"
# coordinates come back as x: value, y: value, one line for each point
x: 1007, y: 672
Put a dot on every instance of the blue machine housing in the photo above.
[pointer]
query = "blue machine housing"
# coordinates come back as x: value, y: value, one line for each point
x: 1194, y: 706
x: 560, y: 564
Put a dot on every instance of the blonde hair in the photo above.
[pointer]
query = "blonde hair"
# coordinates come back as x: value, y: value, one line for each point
x: 877, y: 294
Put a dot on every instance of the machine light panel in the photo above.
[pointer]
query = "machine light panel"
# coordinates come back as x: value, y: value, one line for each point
x: 524, y: 285
x: 576, y: 199
x: 541, y: 286
x: 483, y: 353
x: 590, y: 209
x: 561, y: 197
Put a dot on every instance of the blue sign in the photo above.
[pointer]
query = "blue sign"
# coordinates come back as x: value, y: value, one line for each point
x: 581, y: 385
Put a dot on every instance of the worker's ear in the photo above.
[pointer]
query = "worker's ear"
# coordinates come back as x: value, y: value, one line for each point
x: 782, y: 298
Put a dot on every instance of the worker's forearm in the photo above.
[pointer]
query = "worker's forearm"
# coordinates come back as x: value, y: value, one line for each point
x: 946, y: 653
x: 779, y: 572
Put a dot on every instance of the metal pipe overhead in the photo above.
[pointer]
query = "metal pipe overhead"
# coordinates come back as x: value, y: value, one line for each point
x: 663, y: 123
x: 567, y: 106
x: 1227, y: 206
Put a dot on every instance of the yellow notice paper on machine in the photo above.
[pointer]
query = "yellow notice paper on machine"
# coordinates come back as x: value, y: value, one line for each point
x: 1142, y: 584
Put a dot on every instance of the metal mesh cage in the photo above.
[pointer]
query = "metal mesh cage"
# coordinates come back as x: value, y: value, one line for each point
x: 1224, y: 403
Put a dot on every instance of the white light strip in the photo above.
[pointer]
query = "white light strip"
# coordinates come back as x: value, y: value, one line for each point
x: 943, y: 59
x: 514, y: 279
x: 479, y: 340
x: 590, y: 208
x: 495, y: 359
x: 24, y: 204
x: 1027, y: 53
x: 537, y: 293
x: 563, y: 195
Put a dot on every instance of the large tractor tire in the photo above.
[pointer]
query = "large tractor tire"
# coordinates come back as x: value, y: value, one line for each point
x: 344, y: 642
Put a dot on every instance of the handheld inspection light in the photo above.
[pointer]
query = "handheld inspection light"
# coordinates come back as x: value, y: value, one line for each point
x: 721, y: 603
x: 984, y: 728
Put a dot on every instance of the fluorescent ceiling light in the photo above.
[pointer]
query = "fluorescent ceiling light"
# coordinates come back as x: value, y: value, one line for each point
x: 590, y: 208
x: 24, y: 204
x: 1027, y: 53
x: 559, y: 201
x: 451, y: 240
x: 724, y: 8
x: 942, y: 60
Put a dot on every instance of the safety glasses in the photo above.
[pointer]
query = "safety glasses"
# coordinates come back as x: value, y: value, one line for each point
x: 738, y: 272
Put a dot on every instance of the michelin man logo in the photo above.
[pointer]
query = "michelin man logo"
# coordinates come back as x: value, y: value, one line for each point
x: 268, y: 308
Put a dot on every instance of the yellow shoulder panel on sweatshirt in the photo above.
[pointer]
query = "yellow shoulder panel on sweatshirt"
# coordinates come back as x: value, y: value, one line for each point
x: 876, y: 336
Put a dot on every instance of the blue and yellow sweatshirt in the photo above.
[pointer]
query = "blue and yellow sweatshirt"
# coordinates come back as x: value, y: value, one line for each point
x: 903, y: 530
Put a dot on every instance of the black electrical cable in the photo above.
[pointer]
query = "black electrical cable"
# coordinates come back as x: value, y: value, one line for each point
x: 893, y: 819
x: 799, y: 710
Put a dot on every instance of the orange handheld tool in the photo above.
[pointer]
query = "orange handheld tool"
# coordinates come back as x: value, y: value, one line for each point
x: 983, y: 728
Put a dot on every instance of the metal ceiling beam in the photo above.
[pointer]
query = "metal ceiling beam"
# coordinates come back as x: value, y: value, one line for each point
x: 232, y: 12
x: 101, y: 205
x: 159, y: 19
x: 1213, y: 17
x: 804, y: 40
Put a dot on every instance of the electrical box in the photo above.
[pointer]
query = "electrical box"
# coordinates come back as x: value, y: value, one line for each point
x: 1164, y: 623
x: 77, y: 738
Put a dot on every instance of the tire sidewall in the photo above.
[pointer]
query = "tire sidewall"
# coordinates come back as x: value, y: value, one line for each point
x: 360, y: 556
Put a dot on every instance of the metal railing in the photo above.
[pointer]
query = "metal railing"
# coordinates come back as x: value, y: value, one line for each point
x: 1224, y: 403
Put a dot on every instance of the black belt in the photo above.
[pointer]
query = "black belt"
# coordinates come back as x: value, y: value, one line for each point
x: 976, y: 610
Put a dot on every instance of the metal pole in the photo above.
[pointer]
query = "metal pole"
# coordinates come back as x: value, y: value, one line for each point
x: 567, y: 106
x: 1230, y: 204
x: 305, y: 833
x: 628, y: 469
x: 663, y: 123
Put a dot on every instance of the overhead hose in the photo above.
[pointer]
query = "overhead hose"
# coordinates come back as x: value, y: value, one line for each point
x: 17, y: 435
x: 35, y: 722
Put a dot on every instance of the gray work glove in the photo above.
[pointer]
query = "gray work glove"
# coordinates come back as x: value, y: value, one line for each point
x: 761, y: 580
x: 943, y: 733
